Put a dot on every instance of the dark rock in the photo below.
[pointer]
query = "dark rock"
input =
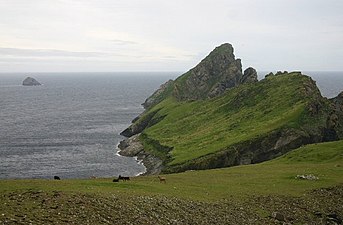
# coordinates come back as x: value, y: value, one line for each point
x: 130, y: 147
x: 333, y: 217
x: 140, y: 124
x: 29, y: 81
x: 330, y: 135
x: 278, y: 216
x: 215, y: 74
x: 133, y: 147
x: 335, y: 121
x: 159, y: 94
x: 278, y: 73
x: 249, y: 76
x: 269, y: 75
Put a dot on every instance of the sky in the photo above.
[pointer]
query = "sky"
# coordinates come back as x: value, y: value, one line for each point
x: 165, y: 35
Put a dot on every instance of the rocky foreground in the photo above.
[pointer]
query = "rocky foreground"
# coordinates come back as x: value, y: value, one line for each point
x: 322, y: 206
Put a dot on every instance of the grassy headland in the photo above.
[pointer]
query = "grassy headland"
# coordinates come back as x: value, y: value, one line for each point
x: 184, y: 132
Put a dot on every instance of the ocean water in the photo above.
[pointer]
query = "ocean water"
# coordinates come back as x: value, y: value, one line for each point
x: 70, y: 125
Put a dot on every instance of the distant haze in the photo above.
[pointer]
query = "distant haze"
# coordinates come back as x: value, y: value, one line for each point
x: 158, y: 35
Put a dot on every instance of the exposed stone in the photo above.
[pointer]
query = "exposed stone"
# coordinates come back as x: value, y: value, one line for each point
x: 269, y: 75
x: 29, y: 81
x: 140, y: 124
x: 215, y: 74
x: 278, y: 216
x: 281, y: 73
x: 249, y: 76
x: 333, y: 217
x: 158, y: 95
x: 336, y: 118
x: 133, y: 147
x: 307, y: 177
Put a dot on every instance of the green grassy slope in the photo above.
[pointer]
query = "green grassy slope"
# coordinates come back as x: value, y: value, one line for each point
x: 238, y: 195
x: 277, y: 176
x: 198, y: 128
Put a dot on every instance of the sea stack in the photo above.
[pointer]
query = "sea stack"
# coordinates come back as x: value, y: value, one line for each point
x: 29, y: 81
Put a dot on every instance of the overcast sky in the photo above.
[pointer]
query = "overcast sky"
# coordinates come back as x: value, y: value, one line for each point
x: 168, y: 35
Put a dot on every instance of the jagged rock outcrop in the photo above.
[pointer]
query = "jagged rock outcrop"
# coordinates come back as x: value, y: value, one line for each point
x: 29, y: 81
x: 159, y: 95
x: 249, y: 76
x: 215, y: 74
x: 207, y: 123
x: 140, y: 123
x: 335, y: 119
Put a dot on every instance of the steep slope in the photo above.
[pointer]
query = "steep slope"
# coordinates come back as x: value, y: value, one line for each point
x: 219, y: 71
x: 248, y: 123
x: 216, y: 73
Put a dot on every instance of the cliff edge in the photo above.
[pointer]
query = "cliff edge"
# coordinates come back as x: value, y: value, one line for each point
x: 216, y: 116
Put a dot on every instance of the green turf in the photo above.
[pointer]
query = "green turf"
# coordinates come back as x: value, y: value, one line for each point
x: 273, y: 177
x: 198, y: 128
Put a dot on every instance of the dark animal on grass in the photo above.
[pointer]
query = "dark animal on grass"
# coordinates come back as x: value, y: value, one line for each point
x: 116, y: 180
x: 57, y: 178
x: 162, y: 179
x: 123, y: 178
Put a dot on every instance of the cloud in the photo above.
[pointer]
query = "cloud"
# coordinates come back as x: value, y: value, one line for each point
x: 124, y: 42
x: 20, y: 52
x: 148, y: 33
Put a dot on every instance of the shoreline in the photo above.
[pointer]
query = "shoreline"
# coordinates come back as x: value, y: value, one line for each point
x: 139, y: 161
x: 132, y: 147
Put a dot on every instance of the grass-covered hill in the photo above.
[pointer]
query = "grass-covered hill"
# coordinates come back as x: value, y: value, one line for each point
x: 249, y: 123
x: 265, y: 193
x: 216, y: 116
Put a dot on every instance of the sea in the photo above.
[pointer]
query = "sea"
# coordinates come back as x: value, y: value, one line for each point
x: 70, y: 126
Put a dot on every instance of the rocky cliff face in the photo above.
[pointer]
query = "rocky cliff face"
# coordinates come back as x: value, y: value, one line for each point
x: 219, y: 71
x: 215, y: 74
x: 246, y: 124
x: 158, y: 96
x: 335, y: 119
x: 29, y: 81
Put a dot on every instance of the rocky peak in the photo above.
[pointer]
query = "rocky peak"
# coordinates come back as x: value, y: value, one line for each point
x: 249, y: 76
x: 29, y: 81
x: 215, y: 74
x: 219, y: 71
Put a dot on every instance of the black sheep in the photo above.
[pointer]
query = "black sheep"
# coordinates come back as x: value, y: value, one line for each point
x: 123, y: 178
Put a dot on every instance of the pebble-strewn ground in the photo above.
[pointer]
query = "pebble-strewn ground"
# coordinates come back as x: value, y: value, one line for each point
x: 322, y: 206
